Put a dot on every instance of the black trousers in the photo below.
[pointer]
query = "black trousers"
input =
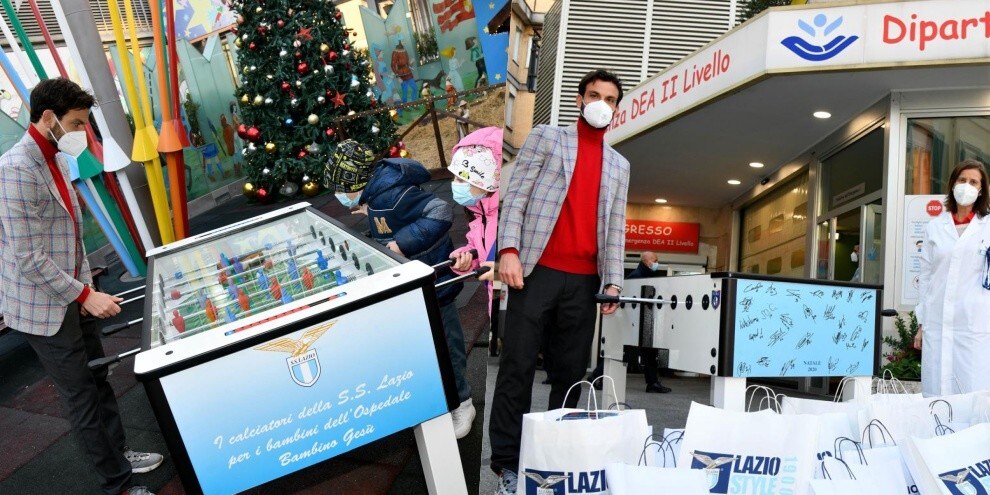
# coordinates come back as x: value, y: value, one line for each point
x: 551, y: 301
x: 87, y: 396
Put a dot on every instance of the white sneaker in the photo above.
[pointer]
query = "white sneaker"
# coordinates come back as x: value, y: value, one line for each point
x: 463, y: 417
x: 506, y: 483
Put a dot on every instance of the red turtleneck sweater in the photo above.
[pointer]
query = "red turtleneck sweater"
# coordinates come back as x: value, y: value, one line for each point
x: 573, y: 244
x: 48, y: 151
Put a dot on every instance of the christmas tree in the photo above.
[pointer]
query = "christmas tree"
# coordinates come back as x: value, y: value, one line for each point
x: 303, y: 89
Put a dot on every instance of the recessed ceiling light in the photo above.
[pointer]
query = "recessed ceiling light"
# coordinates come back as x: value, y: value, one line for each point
x: 734, y: 182
x: 756, y: 164
x: 821, y: 114
x: 660, y: 200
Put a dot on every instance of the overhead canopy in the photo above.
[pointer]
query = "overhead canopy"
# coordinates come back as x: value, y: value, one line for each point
x: 749, y: 95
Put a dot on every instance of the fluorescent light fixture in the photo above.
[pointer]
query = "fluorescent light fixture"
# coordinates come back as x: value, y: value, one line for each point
x: 660, y: 200
x: 734, y: 182
x: 756, y: 164
x: 821, y: 114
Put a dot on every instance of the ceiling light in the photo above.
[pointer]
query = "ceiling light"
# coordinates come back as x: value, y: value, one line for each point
x: 734, y: 182
x: 821, y: 114
x: 660, y: 200
x: 756, y: 164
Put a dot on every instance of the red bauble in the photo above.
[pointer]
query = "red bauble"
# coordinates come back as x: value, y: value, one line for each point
x: 332, y: 56
x: 242, y: 131
x: 347, y: 46
x: 253, y: 134
x: 285, y: 87
x: 262, y: 30
x: 337, y: 15
x: 298, y: 54
x: 374, y: 103
x: 302, y: 68
x: 280, y: 23
x: 330, y: 132
x: 252, y: 46
x: 261, y: 194
x: 393, y: 152
x: 301, y: 154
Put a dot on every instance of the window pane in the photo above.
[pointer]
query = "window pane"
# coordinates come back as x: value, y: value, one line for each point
x: 775, y: 228
x: 936, y: 145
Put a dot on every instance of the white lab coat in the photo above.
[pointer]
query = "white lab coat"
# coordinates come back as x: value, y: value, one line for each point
x: 954, y: 308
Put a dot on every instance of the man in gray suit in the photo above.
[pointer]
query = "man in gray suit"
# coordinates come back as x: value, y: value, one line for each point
x: 561, y: 241
x: 45, y: 283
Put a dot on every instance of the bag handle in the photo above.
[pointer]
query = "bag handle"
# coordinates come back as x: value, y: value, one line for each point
x: 781, y: 402
x: 616, y: 405
x: 828, y: 476
x: 662, y: 446
x: 769, y: 397
x: 842, y: 387
x: 591, y: 396
x: 603, y: 378
x: 941, y: 429
x: 837, y: 448
x: 884, y: 432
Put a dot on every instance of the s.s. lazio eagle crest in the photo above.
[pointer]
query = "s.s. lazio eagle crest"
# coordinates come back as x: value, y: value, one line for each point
x: 303, y: 362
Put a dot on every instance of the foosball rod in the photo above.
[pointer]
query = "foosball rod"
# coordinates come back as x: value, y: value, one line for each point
x: 607, y: 299
x: 450, y: 261
x: 122, y: 294
x: 103, y: 362
x: 112, y: 329
x: 471, y: 274
x: 201, y: 268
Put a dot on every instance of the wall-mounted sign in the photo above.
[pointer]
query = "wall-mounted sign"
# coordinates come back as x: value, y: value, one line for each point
x: 670, y: 237
x: 918, y: 211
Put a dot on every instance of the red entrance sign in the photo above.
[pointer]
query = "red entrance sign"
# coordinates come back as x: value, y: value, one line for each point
x: 671, y: 237
x: 934, y: 208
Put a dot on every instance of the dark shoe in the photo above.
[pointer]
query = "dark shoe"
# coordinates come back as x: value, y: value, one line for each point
x: 655, y: 388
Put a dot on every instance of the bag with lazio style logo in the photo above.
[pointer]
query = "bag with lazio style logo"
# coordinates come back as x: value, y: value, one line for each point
x: 954, y: 464
x: 565, y: 451
x: 750, y: 453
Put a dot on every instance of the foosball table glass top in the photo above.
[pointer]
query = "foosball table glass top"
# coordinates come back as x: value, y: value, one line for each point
x: 252, y: 271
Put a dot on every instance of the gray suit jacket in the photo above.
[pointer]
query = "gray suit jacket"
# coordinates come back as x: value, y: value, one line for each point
x: 39, y: 251
x: 540, y: 179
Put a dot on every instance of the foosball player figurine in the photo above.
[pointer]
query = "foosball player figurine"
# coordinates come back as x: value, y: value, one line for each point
x: 201, y: 297
x: 223, y: 277
x: 323, y: 238
x: 293, y: 270
x: 230, y: 315
x: 211, y: 311
x: 307, y: 278
x: 178, y: 321
x: 243, y: 300
x: 176, y: 294
x: 262, y: 281
x: 286, y: 297
x: 275, y: 289
x: 268, y: 264
x: 232, y: 291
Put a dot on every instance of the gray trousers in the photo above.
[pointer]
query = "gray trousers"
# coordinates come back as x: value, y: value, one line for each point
x: 87, y: 396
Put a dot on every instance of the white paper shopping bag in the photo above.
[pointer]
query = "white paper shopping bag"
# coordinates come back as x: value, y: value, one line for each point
x: 957, y: 464
x: 624, y: 479
x: 750, y: 453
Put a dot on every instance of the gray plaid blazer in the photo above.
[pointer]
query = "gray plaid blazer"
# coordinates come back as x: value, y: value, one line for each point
x: 540, y: 179
x: 39, y: 250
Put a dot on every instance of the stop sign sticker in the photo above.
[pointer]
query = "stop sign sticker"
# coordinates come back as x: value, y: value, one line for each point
x: 933, y: 208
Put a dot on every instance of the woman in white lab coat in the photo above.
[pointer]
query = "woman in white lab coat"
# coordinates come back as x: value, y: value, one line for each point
x: 954, y: 309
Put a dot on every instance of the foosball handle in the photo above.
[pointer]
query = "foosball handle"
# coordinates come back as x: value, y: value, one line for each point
x: 606, y: 298
x: 888, y: 312
x: 103, y: 362
x: 112, y: 329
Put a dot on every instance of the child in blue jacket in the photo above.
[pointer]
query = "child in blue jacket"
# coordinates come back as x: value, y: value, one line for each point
x: 413, y: 223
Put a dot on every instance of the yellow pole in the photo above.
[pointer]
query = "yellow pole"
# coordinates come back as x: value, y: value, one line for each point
x: 145, y: 146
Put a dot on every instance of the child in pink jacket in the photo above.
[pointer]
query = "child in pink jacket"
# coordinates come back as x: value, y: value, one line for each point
x: 476, y: 165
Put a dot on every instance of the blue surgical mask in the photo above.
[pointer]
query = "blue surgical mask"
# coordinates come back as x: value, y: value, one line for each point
x: 462, y: 194
x: 347, y: 201
x: 655, y: 266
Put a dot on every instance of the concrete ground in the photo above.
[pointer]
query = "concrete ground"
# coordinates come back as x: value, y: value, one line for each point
x: 38, y: 453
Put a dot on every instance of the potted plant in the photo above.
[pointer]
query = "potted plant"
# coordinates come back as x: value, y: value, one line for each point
x: 903, y: 360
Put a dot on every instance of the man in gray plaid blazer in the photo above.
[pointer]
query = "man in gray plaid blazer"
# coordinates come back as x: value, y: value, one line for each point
x: 561, y: 238
x: 45, y: 281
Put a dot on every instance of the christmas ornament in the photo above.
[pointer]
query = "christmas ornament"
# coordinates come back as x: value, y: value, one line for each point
x: 337, y: 15
x: 285, y: 86
x: 258, y: 10
x: 284, y: 53
x: 312, y: 148
x: 304, y: 34
x: 347, y: 46
x: 332, y: 57
x: 269, y: 77
x: 338, y: 101
x: 258, y: 100
x: 352, y: 112
x: 328, y: 69
x: 244, y: 37
x: 305, y: 178
x: 321, y: 100
x: 354, y: 81
x: 374, y: 129
x: 242, y: 131
x: 240, y: 20
x: 291, y: 12
x: 297, y: 44
x: 294, y: 102
x: 346, y: 53
x: 262, y: 29
x: 288, y: 189
x: 280, y: 23
x: 369, y: 94
x: 330, y: 132
x: 289, y: 122
x: 393, y: 151
x: 270, y: 148
x: 302, y: 68
x: 252, y: 147
x: 254, y: 68
x: 246, y: 69
x: 265, y: 171
x: 324, y: 48
x: 310, y: 189
x: 252, y: 46
x: 301, y: 154
x: 269, y: 101
x: 238, y: 43
x: 248, y: 190
x: 313, y: 119
x: 253, y: 134
x: 298, y: 54
x: 298, y: 83
x: 393, y: 114
x: 261, y: 194
x: 404, y: 154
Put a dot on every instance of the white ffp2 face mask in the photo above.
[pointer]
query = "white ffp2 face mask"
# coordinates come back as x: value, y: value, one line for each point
x: 597, y: 114
x: 965, y: 194
x: 71, y: 143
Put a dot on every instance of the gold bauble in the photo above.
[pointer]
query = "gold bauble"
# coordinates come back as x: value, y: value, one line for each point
x: 313, y: 119
x: 249, y: 190
x: 404, y: 154
x: 246, y: 69
x: 245, y: 99
x: 393, y: 114
x: 310, y: 189
x: 238, y: 43
x: 324, y: 48
x: 269, y: 148
x: 258, y: 100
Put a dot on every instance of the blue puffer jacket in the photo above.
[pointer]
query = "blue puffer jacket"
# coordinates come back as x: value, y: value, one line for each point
x: 418, y: 221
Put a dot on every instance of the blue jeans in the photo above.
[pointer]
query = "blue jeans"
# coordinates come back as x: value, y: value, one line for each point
x: 455, y: 345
